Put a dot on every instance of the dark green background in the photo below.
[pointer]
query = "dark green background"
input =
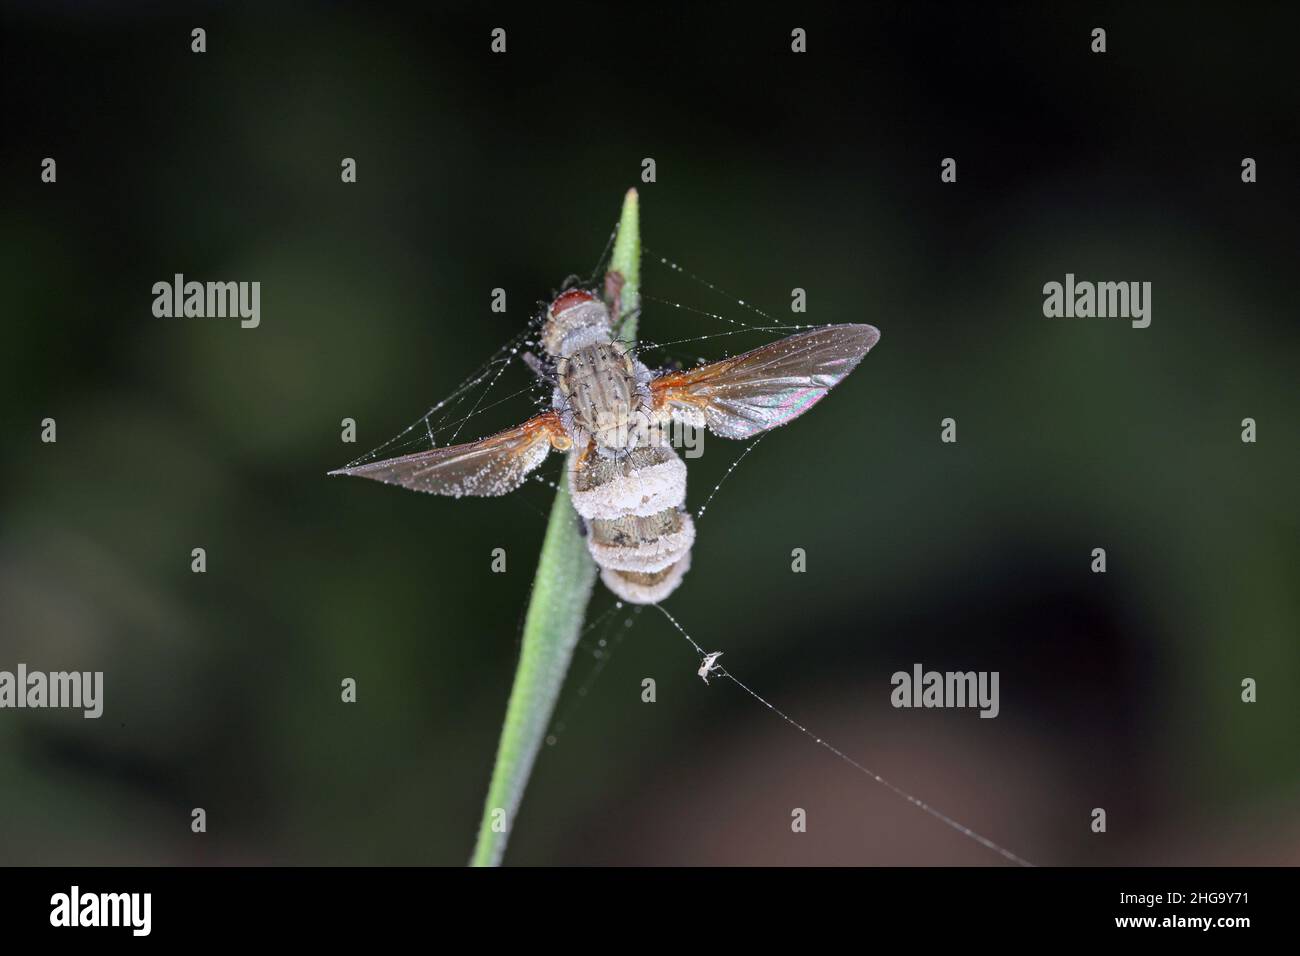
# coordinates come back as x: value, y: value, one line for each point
x: 774, y: 171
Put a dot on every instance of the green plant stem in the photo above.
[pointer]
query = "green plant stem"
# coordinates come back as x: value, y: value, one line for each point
x: 561, y: 590
x: 626, y: 261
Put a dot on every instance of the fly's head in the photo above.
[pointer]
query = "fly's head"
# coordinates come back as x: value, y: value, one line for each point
x: 575, y: 318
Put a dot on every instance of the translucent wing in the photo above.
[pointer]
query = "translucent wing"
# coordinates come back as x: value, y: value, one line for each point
x: 486, y: 468
x: 750, y: 393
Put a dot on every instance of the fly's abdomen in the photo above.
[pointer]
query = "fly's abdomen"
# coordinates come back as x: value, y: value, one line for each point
x: 641, y: 543
x: 642, y: 588
x: 644, y: 481
x: 637, y: 530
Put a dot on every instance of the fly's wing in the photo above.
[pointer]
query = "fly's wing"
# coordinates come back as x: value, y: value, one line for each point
x: 750, y: 393
x: 486, y: 468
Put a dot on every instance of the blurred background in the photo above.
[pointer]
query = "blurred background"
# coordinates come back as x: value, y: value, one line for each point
x: 774, y: 171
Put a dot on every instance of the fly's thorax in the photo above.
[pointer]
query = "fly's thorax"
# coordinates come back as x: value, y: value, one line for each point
x: 603, y: 395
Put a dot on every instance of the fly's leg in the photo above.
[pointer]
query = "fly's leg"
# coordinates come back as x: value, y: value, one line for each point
x: 539, y: 368
x: 614, y: 294
x: 614, y: 300
x: 621, y: 324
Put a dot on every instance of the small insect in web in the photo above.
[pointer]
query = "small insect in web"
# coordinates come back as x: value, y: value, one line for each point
x: 614, y: 417
x: 708, y: 665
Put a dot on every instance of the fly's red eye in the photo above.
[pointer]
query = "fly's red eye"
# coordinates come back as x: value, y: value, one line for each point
x: 568, y: 300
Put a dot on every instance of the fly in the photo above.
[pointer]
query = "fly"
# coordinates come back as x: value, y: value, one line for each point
x: 610, y: 413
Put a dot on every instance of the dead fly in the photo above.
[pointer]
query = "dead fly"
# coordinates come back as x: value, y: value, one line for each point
x: 709, y: 665
x: 609, y: 412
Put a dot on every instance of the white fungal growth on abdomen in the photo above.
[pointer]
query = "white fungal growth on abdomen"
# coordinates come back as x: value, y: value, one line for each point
x: 644, y: 481
x: 637, y: 529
